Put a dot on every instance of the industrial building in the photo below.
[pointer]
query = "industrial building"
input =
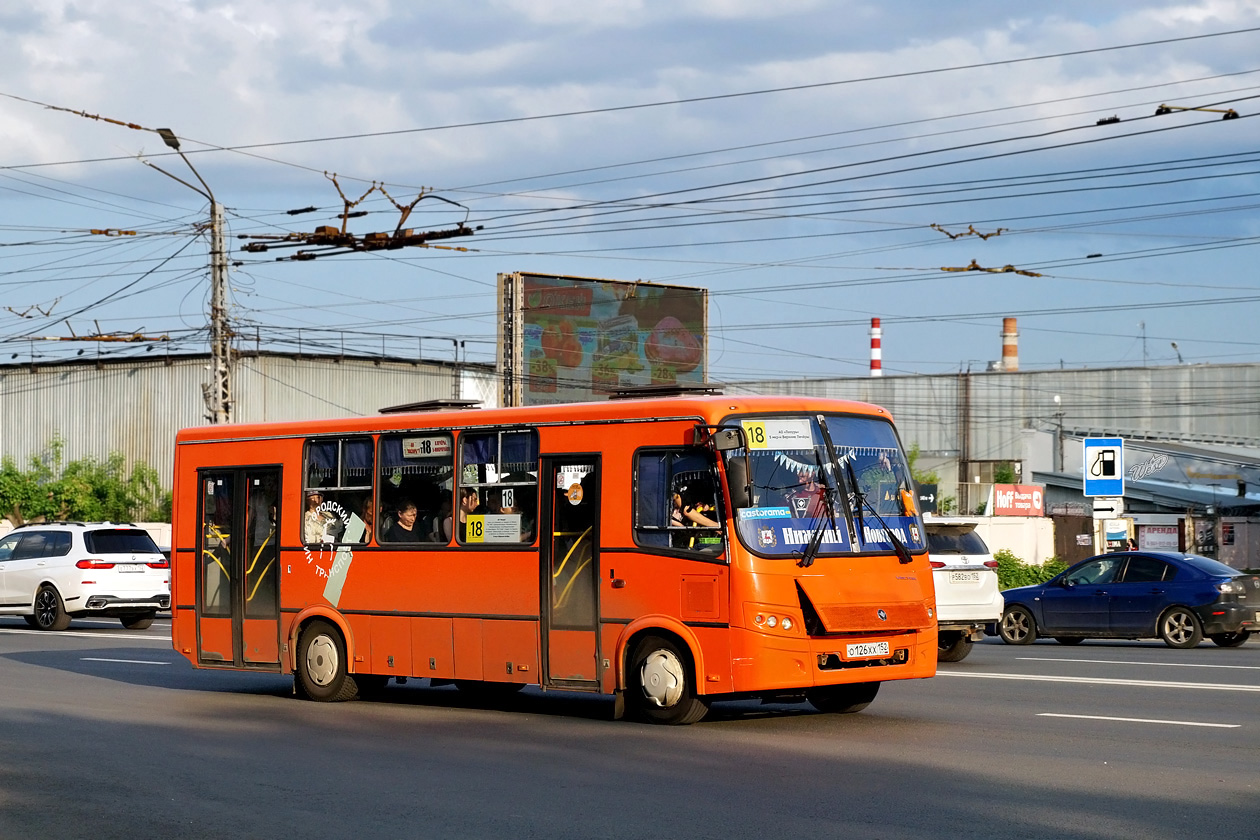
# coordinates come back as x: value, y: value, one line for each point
x: 135, y: 405
x: 1192, y: 432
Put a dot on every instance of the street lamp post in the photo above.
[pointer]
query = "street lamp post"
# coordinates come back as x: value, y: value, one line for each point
x: 1058, y: 434
x: 217, y: 392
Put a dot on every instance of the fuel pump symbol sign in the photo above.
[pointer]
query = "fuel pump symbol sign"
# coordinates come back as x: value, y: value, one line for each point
x: 1104, y: 466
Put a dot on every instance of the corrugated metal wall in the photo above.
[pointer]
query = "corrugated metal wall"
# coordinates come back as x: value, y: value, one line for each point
x: 136, y: 406
x: 1193, y: 402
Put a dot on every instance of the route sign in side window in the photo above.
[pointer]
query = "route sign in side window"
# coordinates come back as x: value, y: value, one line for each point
x: 417, y: 479
x: 498, y: 487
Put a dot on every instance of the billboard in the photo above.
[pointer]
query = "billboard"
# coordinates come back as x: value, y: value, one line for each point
x: 571, y: 339
x: 1018, y: 500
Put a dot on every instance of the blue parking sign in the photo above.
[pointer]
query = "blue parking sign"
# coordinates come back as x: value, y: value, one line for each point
x: 1104, y: 466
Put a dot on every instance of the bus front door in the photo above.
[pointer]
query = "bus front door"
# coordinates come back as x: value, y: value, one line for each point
x: 570, y: 572
x: 238, y: 610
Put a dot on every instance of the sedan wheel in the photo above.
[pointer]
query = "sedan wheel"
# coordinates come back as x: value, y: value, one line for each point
x: 1017, y: 626
x: 1179, y: 628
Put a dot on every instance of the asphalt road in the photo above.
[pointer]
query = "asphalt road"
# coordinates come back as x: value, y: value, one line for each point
x: 107, y: 733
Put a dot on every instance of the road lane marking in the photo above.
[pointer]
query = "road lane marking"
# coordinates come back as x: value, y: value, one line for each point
x: 1103, y: 681
x: 57, y: 634
x: 1124, y: 662
x: 124, y: 661
x: 1143, y: 720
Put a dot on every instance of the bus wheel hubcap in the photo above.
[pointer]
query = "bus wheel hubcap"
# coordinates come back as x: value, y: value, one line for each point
x: 321, y: 660
x: 663, y: 678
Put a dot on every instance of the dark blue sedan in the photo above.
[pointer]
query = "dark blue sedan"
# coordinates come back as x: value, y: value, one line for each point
x: 1179, y: 598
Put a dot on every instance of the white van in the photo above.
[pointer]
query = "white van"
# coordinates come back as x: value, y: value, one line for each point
x: 965, y: 575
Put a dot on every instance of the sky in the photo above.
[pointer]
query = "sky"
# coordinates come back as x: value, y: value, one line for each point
x: 813, y: 164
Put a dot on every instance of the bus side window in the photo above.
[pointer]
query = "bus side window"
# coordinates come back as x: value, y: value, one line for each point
x: 417, y: 476
x: 501, y: 467
x: 676, y: 503
x: 337, y: 491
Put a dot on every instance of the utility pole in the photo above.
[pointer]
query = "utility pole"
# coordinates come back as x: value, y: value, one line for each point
x: 218, y: 391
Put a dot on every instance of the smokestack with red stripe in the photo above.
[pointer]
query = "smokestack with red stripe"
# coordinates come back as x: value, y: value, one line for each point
x: 876, y: 351
x: 1010, y: 345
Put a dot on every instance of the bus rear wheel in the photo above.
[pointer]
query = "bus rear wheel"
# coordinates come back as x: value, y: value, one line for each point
x: 842, y: 699
x: 662, y: 688
x: 321, y: 664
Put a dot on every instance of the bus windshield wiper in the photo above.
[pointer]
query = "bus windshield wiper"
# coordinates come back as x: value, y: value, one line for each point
x: 843, y: 495
x: 815, y: 539
x: 903, y: 554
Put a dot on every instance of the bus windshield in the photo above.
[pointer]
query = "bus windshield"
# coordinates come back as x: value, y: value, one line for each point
x: 788, y: 469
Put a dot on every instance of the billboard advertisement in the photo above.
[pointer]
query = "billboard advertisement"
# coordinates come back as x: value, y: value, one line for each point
x: 1018, y: 500
x: 571, y: 339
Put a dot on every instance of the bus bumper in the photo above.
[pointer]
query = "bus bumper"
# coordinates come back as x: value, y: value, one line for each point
x: 763, y: 662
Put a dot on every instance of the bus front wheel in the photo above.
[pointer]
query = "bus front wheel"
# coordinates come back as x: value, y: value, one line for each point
x: 321, y: 664
x: 842, y: 699
x: 662, y: 687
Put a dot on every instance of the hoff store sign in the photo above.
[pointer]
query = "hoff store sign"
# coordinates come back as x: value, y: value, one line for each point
x: 1018, y: 500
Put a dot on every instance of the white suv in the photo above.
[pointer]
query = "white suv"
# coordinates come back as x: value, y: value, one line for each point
x: 965, y: 575
x: 52, y: 572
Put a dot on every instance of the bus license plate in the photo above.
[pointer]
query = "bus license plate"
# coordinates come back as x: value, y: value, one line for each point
x: 866, y: 649
x: 964, y: 577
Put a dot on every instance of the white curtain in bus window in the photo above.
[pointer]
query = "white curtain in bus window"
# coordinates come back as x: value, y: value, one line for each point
x: 215, y: 548
x: 337, y: 496
x: 502, y: 467
x: 677, y: 502
x: 417, y: 472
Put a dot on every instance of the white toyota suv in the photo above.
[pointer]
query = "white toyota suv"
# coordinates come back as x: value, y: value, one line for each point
x: 52, y: 572
x: 965, y: 575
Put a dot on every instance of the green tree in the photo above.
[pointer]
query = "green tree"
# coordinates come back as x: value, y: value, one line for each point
x: 1004, y: 473
x: 1015, y: 572
x: 85, y: 489
x: 920, y: 476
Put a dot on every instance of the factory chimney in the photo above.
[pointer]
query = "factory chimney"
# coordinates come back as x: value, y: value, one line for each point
x: 1010, y: 345
x: 876, y: 351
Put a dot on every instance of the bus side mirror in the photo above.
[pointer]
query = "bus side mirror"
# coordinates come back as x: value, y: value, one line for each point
x: 737, y: 479
x: 728, y: 438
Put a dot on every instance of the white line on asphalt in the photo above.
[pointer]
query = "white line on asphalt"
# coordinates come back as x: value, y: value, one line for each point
x: 1102, y: 681
x: 62, y: 633
x: 124, y: 661
x: 1143, y: 720
x: 1123, y: 662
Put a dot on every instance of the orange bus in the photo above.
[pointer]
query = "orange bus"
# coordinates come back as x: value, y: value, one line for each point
x: 667, y: 551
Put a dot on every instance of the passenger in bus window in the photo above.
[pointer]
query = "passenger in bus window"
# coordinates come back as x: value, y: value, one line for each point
x: 691, y: 514
x: 404, y: 527
x: 468, y: 504
x: 314, y: 520
x: 369, y: 521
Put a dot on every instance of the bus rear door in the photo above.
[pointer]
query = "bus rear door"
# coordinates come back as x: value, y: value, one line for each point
x: 238, y: 615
